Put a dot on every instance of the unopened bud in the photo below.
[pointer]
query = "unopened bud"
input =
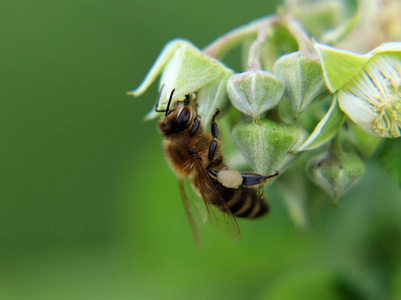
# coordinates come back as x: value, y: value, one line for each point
x: 254, y: 92
x: 268, y: 146
x: 335, y: 174
x: 303, y: 80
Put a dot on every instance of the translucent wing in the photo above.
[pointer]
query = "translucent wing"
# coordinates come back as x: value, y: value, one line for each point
x: 194, y: 208
x: 219, y: 213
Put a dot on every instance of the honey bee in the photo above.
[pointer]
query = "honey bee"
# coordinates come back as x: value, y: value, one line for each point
x: 195, y: 156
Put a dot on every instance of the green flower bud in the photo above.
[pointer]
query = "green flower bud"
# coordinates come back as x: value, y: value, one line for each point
x: 254, y: 92
x: 268, y: 146
x: 302, y: 76
x: 335, y: 174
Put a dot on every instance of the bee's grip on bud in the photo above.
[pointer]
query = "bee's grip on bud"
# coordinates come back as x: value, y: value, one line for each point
x: 215, y: 130
x: 252, y: 179
x: 214, y: 126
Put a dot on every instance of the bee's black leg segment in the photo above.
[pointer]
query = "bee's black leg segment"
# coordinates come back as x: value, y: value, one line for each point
x: 195, y: 127
x: 215, y: 135
x: 214, y: 126
x: 212, y: 149
x: 251, y: 179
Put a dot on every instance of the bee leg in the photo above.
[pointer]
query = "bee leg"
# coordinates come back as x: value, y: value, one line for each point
x: 215, y: 135
x: 214, y: 126
x: 253, y: 179
x: 195, y: 126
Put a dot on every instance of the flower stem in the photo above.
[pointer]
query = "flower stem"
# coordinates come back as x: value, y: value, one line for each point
x: 225, y: 43
x: 298, y: 32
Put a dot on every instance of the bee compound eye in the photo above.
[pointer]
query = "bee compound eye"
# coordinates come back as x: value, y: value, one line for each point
x: 183, y: 118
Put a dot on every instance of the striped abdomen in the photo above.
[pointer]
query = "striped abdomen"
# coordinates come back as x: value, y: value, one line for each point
x: 243, y: 202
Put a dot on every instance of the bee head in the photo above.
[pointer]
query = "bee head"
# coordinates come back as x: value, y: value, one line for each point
x: 177, y: 118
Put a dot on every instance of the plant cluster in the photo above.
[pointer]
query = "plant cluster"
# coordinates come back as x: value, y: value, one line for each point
x: 306, y: 100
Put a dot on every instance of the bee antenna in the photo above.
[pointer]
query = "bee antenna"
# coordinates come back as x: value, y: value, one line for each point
x: 169, y: 102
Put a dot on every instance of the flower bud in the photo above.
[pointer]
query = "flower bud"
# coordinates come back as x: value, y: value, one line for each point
x: 302, y: 76
x: 335, y: 174
x: 268, y: 146
x: 254, y: 92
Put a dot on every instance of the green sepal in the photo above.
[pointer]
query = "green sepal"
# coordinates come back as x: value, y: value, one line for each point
x: 302, y: 76
x: 185, y: 69
x: 339, y: 66
x: 335, y: 174
x: 326, y: 129
x: 387, y: 47
x: 268, y: 147
x: 254, y: 92
x: 158, y: 66
x: 213, y: 96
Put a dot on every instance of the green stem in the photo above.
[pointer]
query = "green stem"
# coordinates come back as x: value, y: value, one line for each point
x: 255, y: 50
x: 298, y: 32
x: 233, y: 38
x: 335, y: 146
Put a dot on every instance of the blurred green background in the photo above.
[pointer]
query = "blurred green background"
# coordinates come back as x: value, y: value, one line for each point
x: 88, y: 206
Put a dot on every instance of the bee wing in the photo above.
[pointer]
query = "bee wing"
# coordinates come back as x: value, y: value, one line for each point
x: 196, y: 217
x: 221, y: 218
x: 195, y: 201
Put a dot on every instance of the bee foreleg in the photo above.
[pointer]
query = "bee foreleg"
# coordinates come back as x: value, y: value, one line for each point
x: 252, y: 179
x: 214, y: 126
x: 195, y: 127
x: 212, y: 149
x: 215, y: 134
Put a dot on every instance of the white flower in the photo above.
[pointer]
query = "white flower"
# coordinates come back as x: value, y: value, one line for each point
x: 368, y: 86
x: 372, y: 99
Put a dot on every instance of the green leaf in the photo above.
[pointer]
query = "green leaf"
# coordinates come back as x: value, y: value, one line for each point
x: 268, y: 146
x: 326, y: 129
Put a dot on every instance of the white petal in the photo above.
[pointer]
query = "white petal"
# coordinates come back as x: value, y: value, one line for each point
x: 358, y: 110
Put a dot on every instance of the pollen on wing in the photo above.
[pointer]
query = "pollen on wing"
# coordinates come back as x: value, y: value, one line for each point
x: 379, y: 83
